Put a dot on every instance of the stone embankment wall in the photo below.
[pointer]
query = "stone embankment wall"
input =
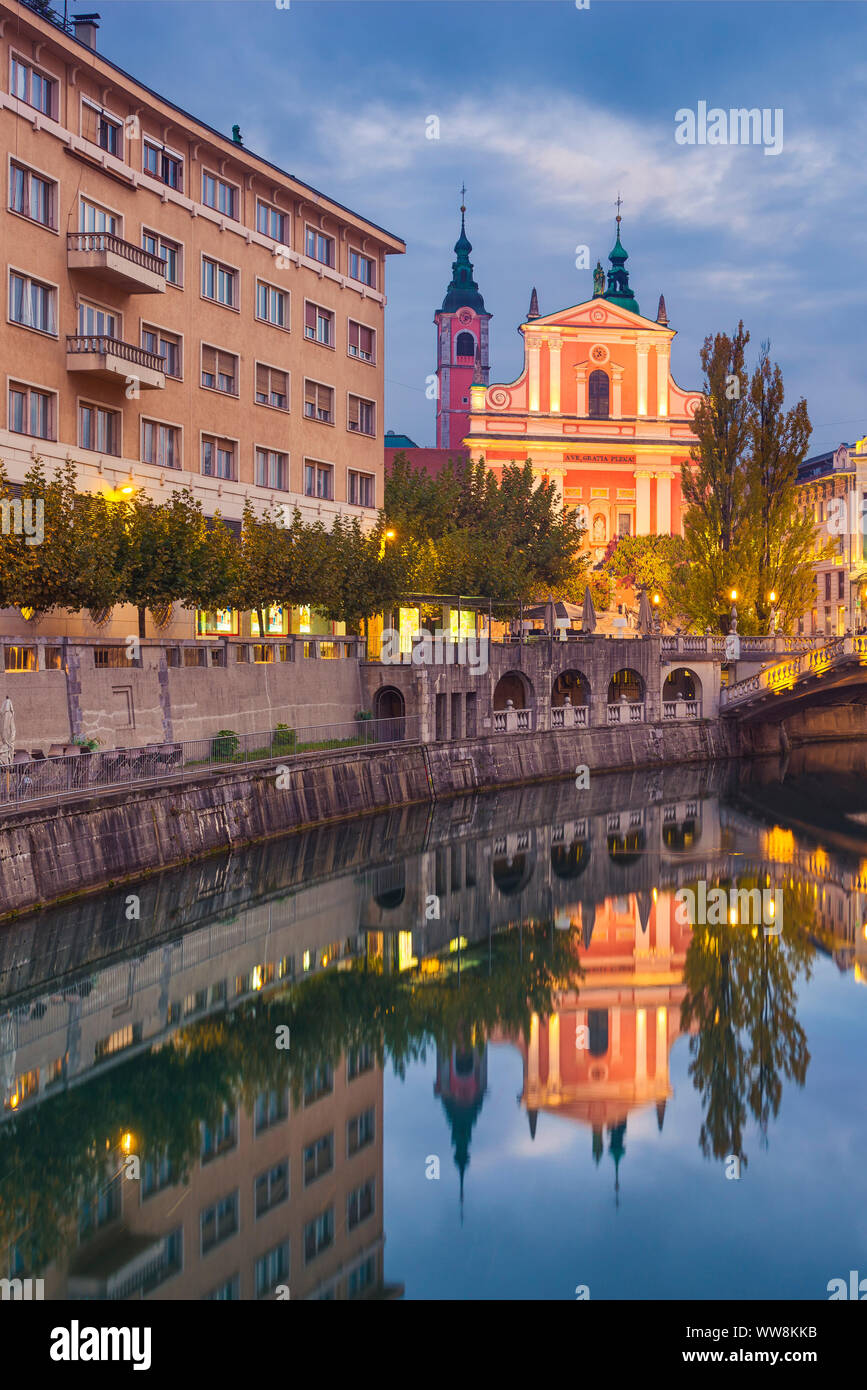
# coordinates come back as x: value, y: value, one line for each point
x: 127, y: 706
x: 815, y: 724
x: 49, y: 854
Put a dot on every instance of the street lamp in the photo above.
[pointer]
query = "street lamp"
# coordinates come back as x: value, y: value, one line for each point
x: 734, y: 613
x: 772, y: 600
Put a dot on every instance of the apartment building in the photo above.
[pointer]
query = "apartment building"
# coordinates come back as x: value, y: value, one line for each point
x: 832, y: 488
x: 179, y: 311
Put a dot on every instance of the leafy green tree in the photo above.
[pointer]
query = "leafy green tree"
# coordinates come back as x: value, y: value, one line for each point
x: 653, y: 563
x: 159, y: 546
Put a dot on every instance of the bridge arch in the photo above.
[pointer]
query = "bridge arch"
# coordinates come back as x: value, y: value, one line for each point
x: 626, y: 684
x: 512, y: 873
x: 572, y: 683
x: 570, y: 861
x: 681, y: 684
x: 513, y: 686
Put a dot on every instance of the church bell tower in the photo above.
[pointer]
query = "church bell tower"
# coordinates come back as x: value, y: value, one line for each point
x: 462, y: 347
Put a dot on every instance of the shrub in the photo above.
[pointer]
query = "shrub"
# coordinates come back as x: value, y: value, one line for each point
x: 283, y: 739
x: 224, y: 745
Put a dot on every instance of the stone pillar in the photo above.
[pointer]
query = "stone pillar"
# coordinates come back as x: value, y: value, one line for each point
x: 662, y: 1044
x: 642, y: 348
x: 663, y: 924
x: 533, y: 1056
x: 554, y: 375
x: 554, y: 1053
x: 663, y: 358
x: 581, y: 390
x: 617, y: 392
x: 663, y: 504
x: 642, y: 502
x: 534, y: 345
x: 640, y: 1046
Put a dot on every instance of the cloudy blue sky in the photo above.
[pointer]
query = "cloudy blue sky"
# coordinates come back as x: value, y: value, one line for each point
x: 546, y: 111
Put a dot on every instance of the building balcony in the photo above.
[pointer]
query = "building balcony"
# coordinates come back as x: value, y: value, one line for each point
x: 116, y: 262
x: 109, y: 358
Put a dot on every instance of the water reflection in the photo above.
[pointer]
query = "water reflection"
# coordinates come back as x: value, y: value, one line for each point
x: 155, y: 1140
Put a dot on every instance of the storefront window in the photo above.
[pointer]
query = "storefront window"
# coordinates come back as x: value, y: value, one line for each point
x: 221, y: 622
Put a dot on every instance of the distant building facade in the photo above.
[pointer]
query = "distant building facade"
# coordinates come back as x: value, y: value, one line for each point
x: 832, y: 487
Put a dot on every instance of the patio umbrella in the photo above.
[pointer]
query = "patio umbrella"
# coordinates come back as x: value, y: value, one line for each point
x: 645, y: 616
x: 549, y: 615
x: 562, y: 609
x: 7, y: 737
x: 588, y: 614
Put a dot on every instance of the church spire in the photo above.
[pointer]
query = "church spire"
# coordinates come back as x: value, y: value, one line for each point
x: 533, y: 311
x: 661, y: 315
x: 463, y: 292
x: 618, y: 291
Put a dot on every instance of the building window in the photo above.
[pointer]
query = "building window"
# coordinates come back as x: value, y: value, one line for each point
x: 465, y: 345
x: 32, y: 196
x: 118, y: 1041
x: 219, y: 282
x: 272, y: 1188
x: 272, y: 386
x: 319, y: 324
x: 362, y: 341
x: 827, y: 586
x: 168, y: 251
x: 362, y: 268
x: 598, y: 384
x: 362, y: 489
x: 219, y: 1222
x: 318, y: 1158
x: 94, y: 321
x: 219, y: 370
x: 99, y: 429
x: 157, y: 1175
x: 271, y: 1108
x: 272, y: 305
x: 218, y: 457
x: 272, y: 1269
x: 840, y: 582
x: 32, y: 304
x: 359, y: 1061
x: 319, y: 480
x: 360, y: 1131
x: 220, y: 1138
x: 319, y: 247
x: 318, y: 1083
x: 101, y: 129
x: 361, y: 415
x: 35, y: 88
x: 160, y: 444
x: 624, y: 523
x: 360, y: 1204
x: 318, y: 1235
x: 270, y: 221
x: 219, y: 195
x: 93, y: 218
x: 230, y: 1292
x: 361, y: 1278
x: 31, y: 411
x: 319, y: 402
x: 272, y: 469
x: 161, y: 164
x: 165, y: 345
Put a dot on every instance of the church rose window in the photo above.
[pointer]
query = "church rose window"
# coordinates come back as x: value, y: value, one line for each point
x: 598, y: 384
x: 465, y: 346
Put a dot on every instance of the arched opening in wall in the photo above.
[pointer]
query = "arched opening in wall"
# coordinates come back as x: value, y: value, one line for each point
x: 627, y: 848
x: 599, y: 395
x: 515, y: 687
x: 512, y: 875
x: 570, y: 861
x: 625, y: 685
x: 465, y: 345
x: 389, y: 886
x: 682, y: 834
x: 389, y: 708
x: 681, y: 684
x: 597, y: 1025
x: 574, y: 684
x: 390, y: 899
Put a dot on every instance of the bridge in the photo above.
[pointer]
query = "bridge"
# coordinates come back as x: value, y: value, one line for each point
x: 828, y: 674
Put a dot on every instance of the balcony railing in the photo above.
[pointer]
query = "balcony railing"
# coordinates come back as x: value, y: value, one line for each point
x: 680, y: 709
x: 626, y: 712
x: 569, y: 716
x: 106, y: 241
x: 106, y: 346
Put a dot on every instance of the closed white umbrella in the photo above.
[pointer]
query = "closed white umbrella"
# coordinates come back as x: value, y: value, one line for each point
x: 645, y: 615
x: 588, y: 617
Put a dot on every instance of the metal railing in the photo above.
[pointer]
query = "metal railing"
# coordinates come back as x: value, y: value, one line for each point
x: 82, y: 773
x: 107, y: 241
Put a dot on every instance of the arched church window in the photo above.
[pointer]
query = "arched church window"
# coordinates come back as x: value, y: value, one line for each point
x: 465, y: 345
x: 598, y: 385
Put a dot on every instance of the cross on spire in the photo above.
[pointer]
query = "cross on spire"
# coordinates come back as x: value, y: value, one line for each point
x: 463, y: 196
x: 618, y: 205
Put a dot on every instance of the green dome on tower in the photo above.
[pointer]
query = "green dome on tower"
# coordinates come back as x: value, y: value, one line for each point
x: 463, y: 292
x: 618, y: 291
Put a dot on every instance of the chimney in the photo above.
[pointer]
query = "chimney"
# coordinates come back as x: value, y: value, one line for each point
x: 86, y: 26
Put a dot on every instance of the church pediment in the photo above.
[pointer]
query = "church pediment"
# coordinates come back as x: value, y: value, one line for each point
x: 596, y: 314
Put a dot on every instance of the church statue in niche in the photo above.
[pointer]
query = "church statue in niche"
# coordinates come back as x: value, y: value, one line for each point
x: 598, y: 529
x: 598, y: 280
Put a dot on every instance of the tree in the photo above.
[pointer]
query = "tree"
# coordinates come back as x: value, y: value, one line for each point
x: 784, y: 538
x: 160, y: 543
x: 653, y: 563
